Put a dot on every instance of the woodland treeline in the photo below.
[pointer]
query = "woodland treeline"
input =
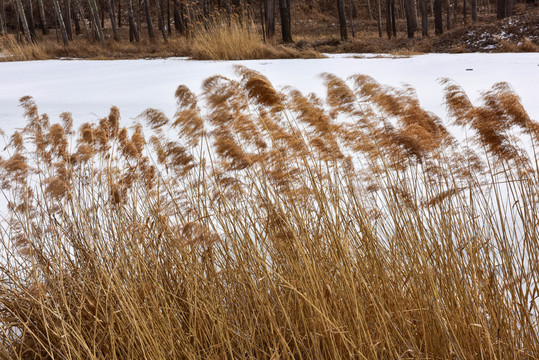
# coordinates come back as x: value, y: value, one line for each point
x: 100, y: 19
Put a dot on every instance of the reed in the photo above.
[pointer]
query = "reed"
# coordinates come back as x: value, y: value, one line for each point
x: 259, y: 223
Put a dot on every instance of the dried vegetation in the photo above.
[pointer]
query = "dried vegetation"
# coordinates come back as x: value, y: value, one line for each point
x: 220, y: 39
x: 274, y: 224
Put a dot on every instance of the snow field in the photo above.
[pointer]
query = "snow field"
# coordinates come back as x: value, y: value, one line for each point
x: 89, y: 88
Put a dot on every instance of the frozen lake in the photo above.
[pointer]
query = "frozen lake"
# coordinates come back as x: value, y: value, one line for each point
x: 89, y: 88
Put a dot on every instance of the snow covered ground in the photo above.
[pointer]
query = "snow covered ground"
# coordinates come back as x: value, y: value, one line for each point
x: 89, y: 88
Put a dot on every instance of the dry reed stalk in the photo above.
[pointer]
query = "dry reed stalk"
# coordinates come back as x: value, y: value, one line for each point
x: 270, y: 228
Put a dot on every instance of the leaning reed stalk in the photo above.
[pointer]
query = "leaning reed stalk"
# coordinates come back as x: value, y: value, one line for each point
x: 262, y: 224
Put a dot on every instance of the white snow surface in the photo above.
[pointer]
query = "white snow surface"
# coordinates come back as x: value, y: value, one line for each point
x: 88, y: 88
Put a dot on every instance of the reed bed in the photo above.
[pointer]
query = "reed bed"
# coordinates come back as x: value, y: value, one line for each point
x: 258, y: 223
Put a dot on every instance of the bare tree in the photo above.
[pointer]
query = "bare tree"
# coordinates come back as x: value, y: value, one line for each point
x: 286, y: 26
x: 95, y: 17
x: 22, y: 20
x: 138, y: 14
x: 393, y: 18
x: 424, y: 19
x: 390, y: 18
x: 80, y: 12
x: 508, y: 7
x: 269, y: 18
x: 3, y: 26
x: 120, y: 13
x: 29, y: 11
x: 379, y: 17
x: 168, y: 18
x: 448, y: 14
x: 342, y: 19
x: 351, y: 17
x: 151, y: 33
x: 455, y: 12
x: 474, y: 10
x: 60, y: 21
x: 133, y: 31
x: 179, y: 17
x: 76, y: 21
x: 42, y: 17
x: 67, y: 18
x: 500, y: 9
x: 161, y: 23
x: 110, y: 4
x: 438, y: 24
x: 410, y: 22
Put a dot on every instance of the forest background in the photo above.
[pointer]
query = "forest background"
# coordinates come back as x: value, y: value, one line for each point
x: 246, y: 29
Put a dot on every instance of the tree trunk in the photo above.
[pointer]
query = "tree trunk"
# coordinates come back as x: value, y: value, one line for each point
x: 415, y: 22
x: 79, y: 10
x: 286, y: 25
x: 76, y: 21
x: 393, y: 19
x: 263, y: 20
x: 448, y: 15
x: 474, y: 10
x: 269, y: 20
x: 455, y: 12
x: 379, y: 17
x: 110, y: 4
x: 351, y: 18
x: 388, y: 18
x: 67, y: 19
x: 342, y: 19
x: 42, y: 17
x: 138, y: 17
x: 23, y: 21
x: 60, y: 20
x: 409, y: 21
x: 102, y: 12
x: 151, y: 33
x: 29, y: 11
x: 179, y: 22
x: 3, y: 26
x: 176, y: 15
x: 464, y: 11
x: 168, y: 18
x: 119, y: 13
x: 438, y: 24
x: 424, y: 19
x: 500, y: 9
x: 370, y: 10
x: 508, y: 7
x: 133, y: 32
x: 160, y: 20
x: 95, y: 17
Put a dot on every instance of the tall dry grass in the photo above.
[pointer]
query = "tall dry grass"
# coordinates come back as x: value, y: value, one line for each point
x: 264, y: 224
x: 234, y: 40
